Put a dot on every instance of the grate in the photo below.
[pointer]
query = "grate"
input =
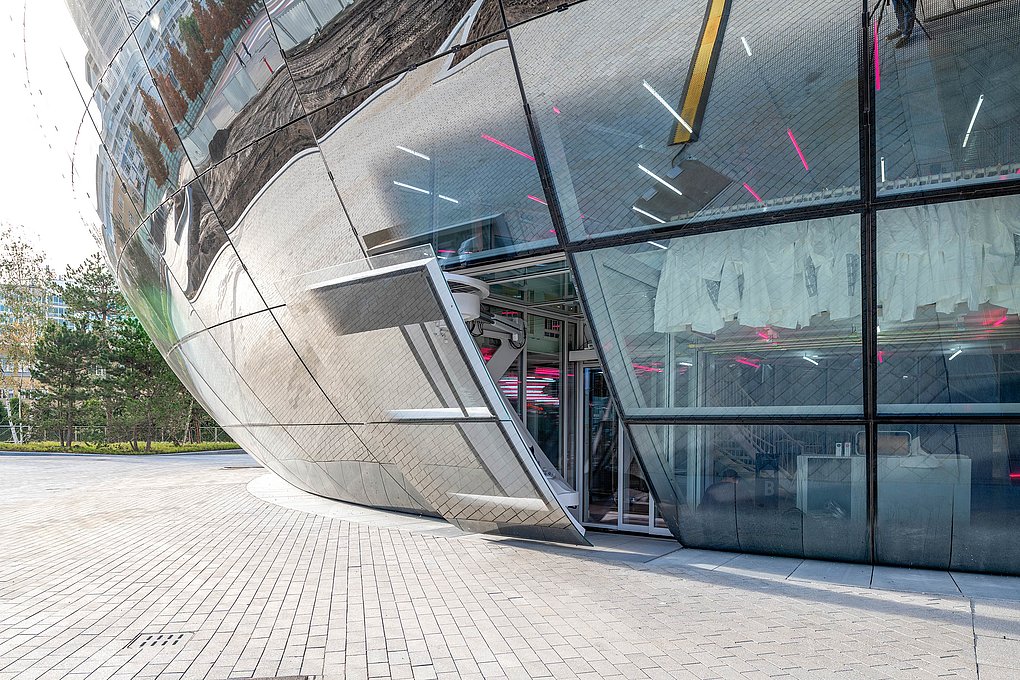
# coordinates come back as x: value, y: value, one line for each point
x: 145, y: 640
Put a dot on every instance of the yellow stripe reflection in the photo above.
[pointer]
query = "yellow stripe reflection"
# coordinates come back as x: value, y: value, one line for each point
x: 710, y: 34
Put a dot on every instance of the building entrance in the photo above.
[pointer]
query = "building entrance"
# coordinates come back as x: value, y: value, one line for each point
x: 614, y: 491
x: 559, y: 390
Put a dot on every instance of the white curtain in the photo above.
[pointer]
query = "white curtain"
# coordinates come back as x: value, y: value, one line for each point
x: 947, y: 254
x: 766, y: 276
x: 943, y: 255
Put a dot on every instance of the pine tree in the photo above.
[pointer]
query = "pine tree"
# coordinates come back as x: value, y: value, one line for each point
x: 92, y: 299
x: 64, y: 359
x: 149, y: 390
x: 160, y: 123
x: 149, y: 147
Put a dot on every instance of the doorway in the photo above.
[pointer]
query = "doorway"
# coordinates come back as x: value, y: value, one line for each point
x: 614, y: 490
x: 561, y: 394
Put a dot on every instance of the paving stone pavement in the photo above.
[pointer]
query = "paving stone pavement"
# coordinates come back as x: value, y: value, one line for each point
x: 101, y: 555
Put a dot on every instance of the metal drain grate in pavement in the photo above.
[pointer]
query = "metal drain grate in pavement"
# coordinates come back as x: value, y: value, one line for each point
x: 144, y: 640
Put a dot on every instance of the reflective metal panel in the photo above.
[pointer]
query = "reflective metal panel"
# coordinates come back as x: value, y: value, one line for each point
x: 439, y: 419
x: 266, y: 362
x: 337, y: 47
x: 101, y: 196
x: 200, y: 254
x: 290, y: 221
x: 152, y: 292
x: 441, y: 155
x: 220, y: 73
x: 203, y: 355
x: 137, y: 132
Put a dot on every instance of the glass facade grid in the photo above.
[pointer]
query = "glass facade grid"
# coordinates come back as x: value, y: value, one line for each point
x: 954, y: 408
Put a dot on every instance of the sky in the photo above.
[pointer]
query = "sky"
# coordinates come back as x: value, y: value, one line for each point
x: 40, y: 114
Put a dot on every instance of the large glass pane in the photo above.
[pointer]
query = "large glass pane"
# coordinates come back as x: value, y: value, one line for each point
x: 442, y: 156
x: 544, y: 384
x: 635, y: 504
x: 949, y: 496
x: 690, y: 114
x: 788, y: 489
x: 949, y: 300
x: 602, y: 441
x: 764, y: 320
x: 947, y: 107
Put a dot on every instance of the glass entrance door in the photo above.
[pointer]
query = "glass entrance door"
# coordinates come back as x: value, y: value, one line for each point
x: 614, y: 490
x: 600, y: 454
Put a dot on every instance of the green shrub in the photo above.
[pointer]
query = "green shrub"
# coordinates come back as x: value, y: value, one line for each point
x: 117, y: 447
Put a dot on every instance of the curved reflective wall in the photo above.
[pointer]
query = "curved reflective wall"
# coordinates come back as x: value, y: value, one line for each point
x: 797, y: 250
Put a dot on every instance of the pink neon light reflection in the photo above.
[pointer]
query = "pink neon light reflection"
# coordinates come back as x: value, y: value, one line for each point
x: 536, y: 199
x: 747, y: 362
x: 753, y: 192
x: 881, y: 356
x: 556, y: 110
x: 507, y: 147
x: 1014, y: 475
x: 797, y: 147
x: 1002, y: 320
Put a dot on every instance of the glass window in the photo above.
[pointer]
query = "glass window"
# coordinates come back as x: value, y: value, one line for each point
x: 946, y: 102
x: 764, y: 320
x: 602, y: 442
x: 949, y: 496
x: 687, y: 115
x: 544, y: 384
x: 789, y: 489
x: 948, y: 296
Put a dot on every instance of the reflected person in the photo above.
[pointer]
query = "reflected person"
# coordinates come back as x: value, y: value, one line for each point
x: 904, y: 21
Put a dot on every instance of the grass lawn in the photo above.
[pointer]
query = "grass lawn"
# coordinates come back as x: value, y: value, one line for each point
x: 117, y: 447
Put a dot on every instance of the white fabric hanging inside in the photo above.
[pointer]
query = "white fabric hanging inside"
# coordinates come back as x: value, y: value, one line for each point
x: 782, y: 275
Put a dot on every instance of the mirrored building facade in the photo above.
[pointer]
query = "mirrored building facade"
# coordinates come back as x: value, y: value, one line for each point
x: 744, y: 274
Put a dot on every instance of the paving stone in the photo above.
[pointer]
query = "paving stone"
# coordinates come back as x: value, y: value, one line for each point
x: 97, y: 551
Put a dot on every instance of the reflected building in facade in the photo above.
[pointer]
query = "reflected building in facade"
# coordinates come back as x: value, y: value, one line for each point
x: 539, y: 267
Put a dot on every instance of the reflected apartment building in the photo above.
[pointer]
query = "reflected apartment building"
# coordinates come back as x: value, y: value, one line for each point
x: 543, y: 268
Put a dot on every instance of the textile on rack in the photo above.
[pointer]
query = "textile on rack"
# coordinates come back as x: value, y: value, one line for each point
x: 966, y: 252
